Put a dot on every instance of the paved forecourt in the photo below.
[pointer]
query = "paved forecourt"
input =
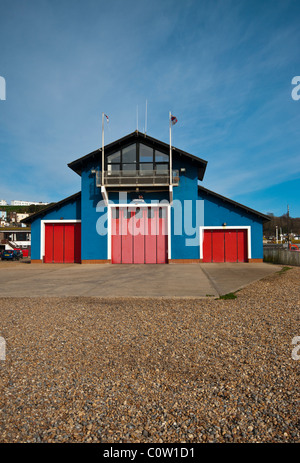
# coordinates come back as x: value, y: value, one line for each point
x: 107, y: 280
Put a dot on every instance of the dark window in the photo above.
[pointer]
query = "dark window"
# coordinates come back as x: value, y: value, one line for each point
x: 161, y: 157
x: 129, y: 169
x: 137, y: 157
x: 129, y: 154
x: 114, y: 157
x: 162, y: 169
x: 144, y: 168
x: 146, y: 153
x: 113, y: 167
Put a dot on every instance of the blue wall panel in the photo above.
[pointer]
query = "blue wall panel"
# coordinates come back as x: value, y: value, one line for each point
x: 93, y: 245
x: 185, y: 197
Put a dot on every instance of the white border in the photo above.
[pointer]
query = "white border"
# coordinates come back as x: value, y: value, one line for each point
x: 135, y: 206
x: 231, y: 227
x: 43, y: 222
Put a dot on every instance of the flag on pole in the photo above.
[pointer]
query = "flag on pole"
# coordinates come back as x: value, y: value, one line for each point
x: 173, y: 120
x: 107, y: 118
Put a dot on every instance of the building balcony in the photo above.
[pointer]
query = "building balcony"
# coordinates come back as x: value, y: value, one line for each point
x: 136, y: 178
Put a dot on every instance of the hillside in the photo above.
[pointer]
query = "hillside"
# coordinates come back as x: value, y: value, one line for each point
x: 24, y: 209
x: 285, y: 223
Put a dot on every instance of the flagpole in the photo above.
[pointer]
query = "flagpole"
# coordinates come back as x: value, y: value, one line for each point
x: 146, y: 119
x: 170, y: 128
x: 102, y: 148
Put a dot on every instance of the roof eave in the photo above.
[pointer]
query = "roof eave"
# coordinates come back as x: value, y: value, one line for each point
x: 264, y: 217
x: 32, y: 217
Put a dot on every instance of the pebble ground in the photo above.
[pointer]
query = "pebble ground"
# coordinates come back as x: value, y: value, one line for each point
x: 153, y: 370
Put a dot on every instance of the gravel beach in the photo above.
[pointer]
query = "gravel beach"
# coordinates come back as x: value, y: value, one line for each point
x: 153, y: 370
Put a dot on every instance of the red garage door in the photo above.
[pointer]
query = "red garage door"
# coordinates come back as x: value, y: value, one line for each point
x: 139, y: 236
x: 62, y: 242
x: 225, y: 245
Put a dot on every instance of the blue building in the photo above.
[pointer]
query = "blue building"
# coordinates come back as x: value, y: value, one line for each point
x: 142, y: 202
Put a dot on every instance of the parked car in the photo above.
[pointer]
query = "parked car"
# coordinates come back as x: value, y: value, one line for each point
x: 20, y: 253
x: 10, y: 255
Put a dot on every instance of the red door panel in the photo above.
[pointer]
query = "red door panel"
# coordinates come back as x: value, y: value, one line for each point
x: 161, y: 243
x: 48, y: 243
x: 225, y: 245
x: 127, y: 241
x: 69, y: 243
x: 116, y: 238
x: 218, y: 246
x: 150, y: 238
x: 77, y: 243
x: 242, y: 245
x: 138, y: 221
x: 207, y: 246
x: 231, y: 251
x: 58, y: 243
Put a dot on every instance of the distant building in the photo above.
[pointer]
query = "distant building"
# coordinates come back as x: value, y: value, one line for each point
x: 12, y: 215
x: 3, y: 202
x: 26, y: 203
x: 20, y: 217
x: 3, y: 221
x: 13, y: 238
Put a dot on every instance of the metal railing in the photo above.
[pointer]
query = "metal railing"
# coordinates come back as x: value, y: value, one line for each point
x: 137, y: 178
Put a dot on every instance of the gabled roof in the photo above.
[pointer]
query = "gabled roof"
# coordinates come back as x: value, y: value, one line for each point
x: 132, y: 138
x: 227, y: 200
x: 46, y: 209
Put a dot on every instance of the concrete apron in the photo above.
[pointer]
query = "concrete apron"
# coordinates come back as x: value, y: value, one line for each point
x: 107, y: 280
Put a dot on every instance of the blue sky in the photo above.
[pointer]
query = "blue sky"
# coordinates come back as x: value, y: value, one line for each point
x: 224, y: 69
